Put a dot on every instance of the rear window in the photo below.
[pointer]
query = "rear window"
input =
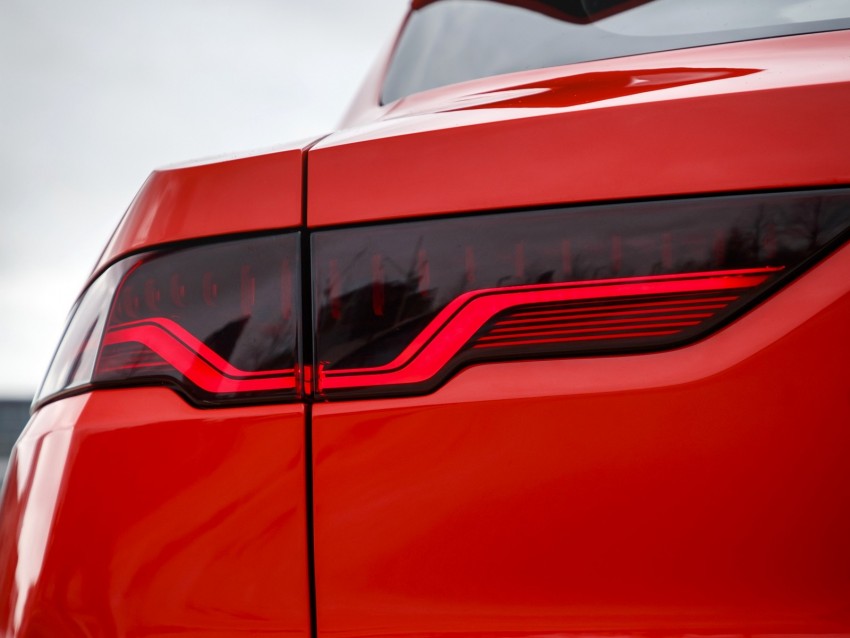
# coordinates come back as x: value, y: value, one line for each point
x: 449, y: 41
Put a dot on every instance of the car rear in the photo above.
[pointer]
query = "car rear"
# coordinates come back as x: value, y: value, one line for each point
x: 555, y: 351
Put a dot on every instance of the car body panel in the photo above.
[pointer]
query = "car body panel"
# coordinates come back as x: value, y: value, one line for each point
x: 697, y: 491
x: 713, y: 119
x: 254, y: 192
x: 128, y: 512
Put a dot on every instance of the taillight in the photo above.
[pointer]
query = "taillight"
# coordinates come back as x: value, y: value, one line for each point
x: 400, y: 307
x: 397, y: 308
x: 219, y: 322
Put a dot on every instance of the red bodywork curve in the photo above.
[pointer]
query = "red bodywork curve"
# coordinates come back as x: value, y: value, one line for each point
x: 216, y: 197
x: 724, y: 118
x: 130, y: 513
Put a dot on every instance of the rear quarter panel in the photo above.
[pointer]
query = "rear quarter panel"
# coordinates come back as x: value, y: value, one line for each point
x: 696, y: 491
x: 131, y: 513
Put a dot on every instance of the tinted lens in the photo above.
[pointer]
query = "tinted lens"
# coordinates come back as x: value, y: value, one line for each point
x: 399, y: 307
x: 218, y: 321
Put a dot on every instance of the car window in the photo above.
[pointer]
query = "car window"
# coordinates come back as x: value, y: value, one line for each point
x: 449, y: 41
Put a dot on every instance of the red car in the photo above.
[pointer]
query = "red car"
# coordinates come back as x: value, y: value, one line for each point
x: 551, y: 339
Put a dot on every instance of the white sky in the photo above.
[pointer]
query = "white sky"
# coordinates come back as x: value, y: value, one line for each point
x: 94, y: 94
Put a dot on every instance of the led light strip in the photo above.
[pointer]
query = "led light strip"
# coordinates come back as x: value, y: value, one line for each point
x: 197, y: 362
x: 456, y: 325
x: 581, y: 322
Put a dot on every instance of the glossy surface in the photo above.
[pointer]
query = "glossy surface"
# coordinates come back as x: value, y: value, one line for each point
x: 725, y: 118
x: 129, y: 513
x: 450, y: 41
x: 698, y: 491
x: 469, y: 322
x: 399, y: 307
x: 216, y: 197
x: 218, y: 321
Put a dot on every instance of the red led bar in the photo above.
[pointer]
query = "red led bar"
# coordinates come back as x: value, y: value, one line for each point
x: 183, y: 352
x: 603, y: 322
x: 218, y: 322
x: 456, y: 324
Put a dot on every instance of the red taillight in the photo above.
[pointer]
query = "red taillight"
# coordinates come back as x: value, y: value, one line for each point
x: 161, y: 346
x: 397, y: 308
x: 559, y: 282
x: 215, y: 321
x: 658, y: 310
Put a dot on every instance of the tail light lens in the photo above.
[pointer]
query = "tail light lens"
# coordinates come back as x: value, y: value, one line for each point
x: 218, y: 322
x: 397, y: 308
x: 400, y: 307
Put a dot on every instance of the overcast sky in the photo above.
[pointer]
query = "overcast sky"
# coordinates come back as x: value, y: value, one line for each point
x: 94, y: 94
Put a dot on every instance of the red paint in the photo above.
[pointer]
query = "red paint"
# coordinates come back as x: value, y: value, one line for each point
x: 724, y: 118
x: 690, y: 492
x: 128, y: 512
x: 218, y: 197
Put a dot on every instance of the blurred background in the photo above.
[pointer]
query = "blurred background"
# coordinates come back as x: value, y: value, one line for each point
x: 94, y: 94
